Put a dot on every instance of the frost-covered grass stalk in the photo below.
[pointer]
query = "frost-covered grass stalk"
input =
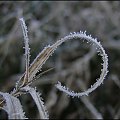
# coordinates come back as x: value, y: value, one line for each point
x: 10, y: 101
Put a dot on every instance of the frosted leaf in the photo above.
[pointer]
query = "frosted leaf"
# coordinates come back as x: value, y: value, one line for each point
x: 13, y: 107
x: 39, y: 102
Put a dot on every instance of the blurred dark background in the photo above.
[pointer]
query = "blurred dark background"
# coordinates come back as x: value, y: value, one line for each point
x: 47, y: 22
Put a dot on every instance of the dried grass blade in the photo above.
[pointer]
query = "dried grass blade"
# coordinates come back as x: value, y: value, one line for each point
x: 27, y: 50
